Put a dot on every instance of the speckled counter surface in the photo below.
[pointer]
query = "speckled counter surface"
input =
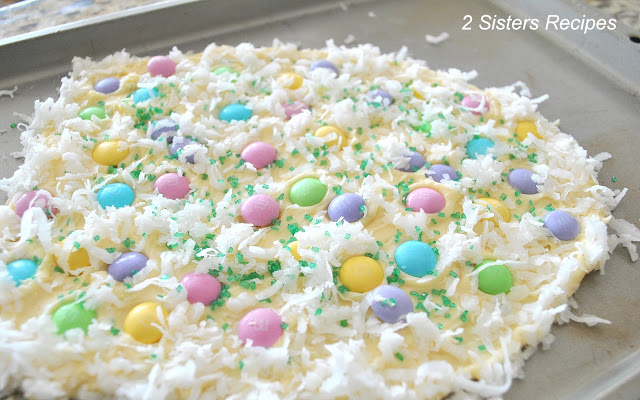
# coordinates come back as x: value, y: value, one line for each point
x: 32, y: 15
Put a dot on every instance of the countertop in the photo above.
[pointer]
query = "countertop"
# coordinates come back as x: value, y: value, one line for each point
x: 32, y: 15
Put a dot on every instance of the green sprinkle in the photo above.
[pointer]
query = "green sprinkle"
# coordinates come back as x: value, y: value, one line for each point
x: 463, y: 317
x: 225, y: 326
x: 284, y: 325
x: 318, y: 311
x: 614, y: 179
x: 241, y: 364
x: 482, y: 347
x: 76, y: 245
x: 344, y: 323
x: 58, y: 269
x: 114, y: 331
x: 399, y: 356
x: 110, y: 250
x: 96, y: 238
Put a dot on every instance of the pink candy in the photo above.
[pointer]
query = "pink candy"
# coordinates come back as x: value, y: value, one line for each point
x: 294, y: 108
x: 35, y: 198
x: 172, y: 186
x: 201, y: 288
x: 259, y: 154
x: 262, y: 326
x: 259, y: 210
x: 161, y: 65
x: 425, y: 199
x: 473, y: 102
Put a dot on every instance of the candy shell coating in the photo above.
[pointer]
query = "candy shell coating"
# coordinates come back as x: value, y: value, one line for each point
x: 166, y: 128
x: 473, y: 101
x: 223, y: 70
x: 235, y: 112
x: 172, y: 186
x: 380, y: 96
x: 115, y: 195
x: 338, y: 137
x: 522, y: 180
x: 89, y: 112
x: 562, y: 225
x: 416, y: 161
x: 127, y: 265
x: 361, y: 274
x: 35, y: 198
x: 524, y: 128
x: 179, y: 143
x: 496, y: 206
x: 291, y: 80
x: 439, y: 172
x: 294, y: 250
x: 78, y: 259
x: 296, y: 107
x: 478, y: 147
x: 140, y: 321
x: 144, y: 94
x: 426, y: 199
x: 259, y: 210
x: 390, y: 303
x: 110, y: 152
x: 307, y: 192
x: 415, y: 258
x: 201, y: 288
x: 259, y: 154
x: 323, y: 64
x: 72, y: 316
x: 495, y: 279
x: 262, y: 326
x: 346, y: 206
x: 107, y: 85
x: 161, y: 65
x: 21, y: 270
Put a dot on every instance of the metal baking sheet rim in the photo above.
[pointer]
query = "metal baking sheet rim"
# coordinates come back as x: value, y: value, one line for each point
x: 621, y: 73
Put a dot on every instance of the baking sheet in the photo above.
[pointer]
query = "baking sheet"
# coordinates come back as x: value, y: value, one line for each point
x: 594, y: 104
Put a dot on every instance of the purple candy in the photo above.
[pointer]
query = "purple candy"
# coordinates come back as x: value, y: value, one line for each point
x: 348, y: 206
x: 127, y: 265
x: 521, y: 180
x: 166, y: 128
x: 180, y: 143
x: 107, y: 85
x: 380, y: 96
x: 562, y: 224
x: 416, y: 161
x: 390, y: 303
x: 438, y: 172
x: 323, y: 64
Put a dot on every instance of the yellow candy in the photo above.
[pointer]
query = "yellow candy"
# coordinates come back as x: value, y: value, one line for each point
x: 294, y: 251
x: 339, y: 140
x: 497, y: 206
x: 139, y: 322
x: 418, y: 95
x: 291, y: 80
x: 523, y: 129
x: 109, y: 153
x: 361, y: 274
x: 77, y: 259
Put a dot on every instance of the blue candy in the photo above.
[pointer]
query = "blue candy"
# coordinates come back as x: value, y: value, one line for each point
x: 144, y: 94
x: 235, y: 112
x: 415, y: 258
x: 478, y: 147
x: 21, y: 270
x: 115, y: 195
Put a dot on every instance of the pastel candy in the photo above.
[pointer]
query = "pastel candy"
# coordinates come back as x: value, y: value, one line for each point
x: 110, y: 152
x: 127, y: 265
x: 107, y: 85
x: 361, y: 274
x: 201, y: 288
x: 439, y: 172
x: 296, y: 107
x: 161, y: 65
x: 416, y: 161
x: 21, y: 270
x: 477, y: 103
x: 235, y: 112
x: 347, y: 206
x: 426, y: 199
x: 178, y: 144
x: 478, y: 147
x: 390, y: 303
x: 522, y: 180
x: 380, y: 96
x: 495, y: 279
x: 73, y: 316
x: 166, y: 128
x: 115, y: 195
x: 35, y: 198
x: 259, y: 154
x: 415, y: 258
x: 307, y: 192
x: 562, y: 225
x: 89, y: 112
x: 262, y: 326
x: 172, y: 186
x: 323, y: 64
x: 142, y: 321
x: 259, y: 210
x: 144, y: 94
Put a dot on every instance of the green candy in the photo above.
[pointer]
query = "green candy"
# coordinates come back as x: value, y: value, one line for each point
x: 71, y: 316
x: 88, y: 112
x: 307, y: 192
x: 495, y: 279
x: 222, y: 70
